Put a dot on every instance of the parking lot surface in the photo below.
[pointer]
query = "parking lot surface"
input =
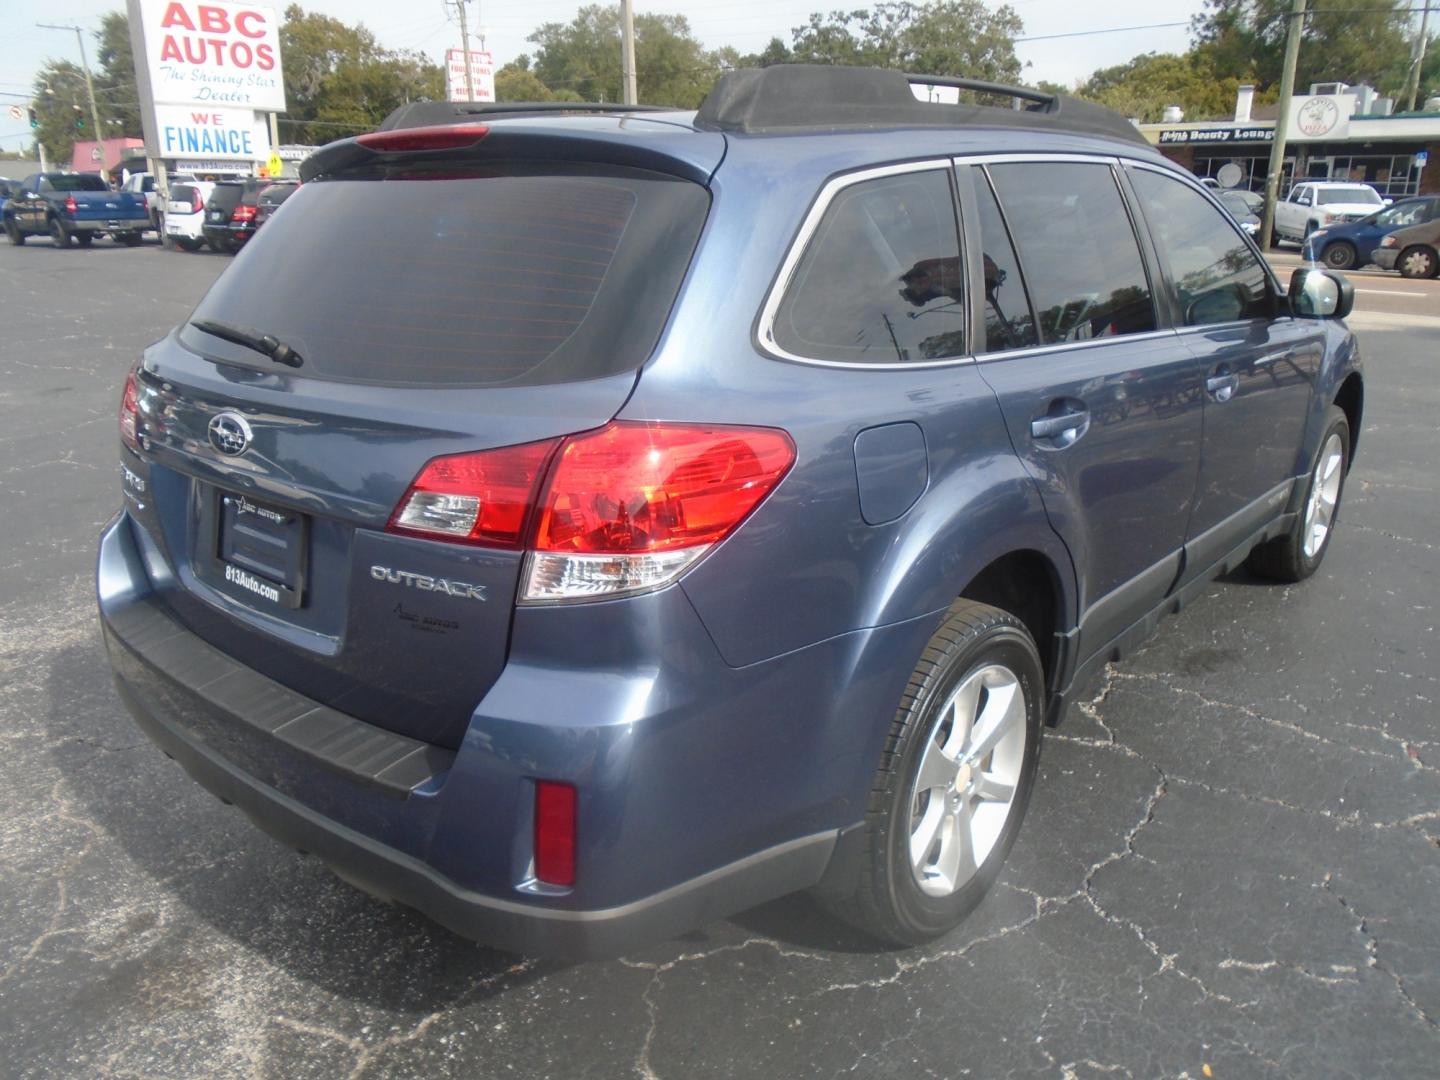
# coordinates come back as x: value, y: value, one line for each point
x: 1230, y: 867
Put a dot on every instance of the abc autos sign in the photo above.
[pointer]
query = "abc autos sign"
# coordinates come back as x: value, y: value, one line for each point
x: 213, y: 55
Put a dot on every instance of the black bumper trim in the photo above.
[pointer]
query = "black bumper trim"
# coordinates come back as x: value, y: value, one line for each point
x: 357, y: 750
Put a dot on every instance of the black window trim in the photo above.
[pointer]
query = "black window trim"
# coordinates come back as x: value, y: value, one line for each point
x: 1142, y: 241
x: 764, y: 334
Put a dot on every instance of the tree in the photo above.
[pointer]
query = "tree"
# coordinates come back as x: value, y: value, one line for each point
x: 62, y: 105
x: 517, y: 82
x: 116, y: 92
x: 339, y: 80
x: 1142, y: 87
x: 583, y: 56
x: 1353, y: 41
x: 947, y: 37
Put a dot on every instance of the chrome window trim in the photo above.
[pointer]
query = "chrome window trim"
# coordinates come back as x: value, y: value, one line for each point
x: 765, y: 328
x: 1067, y: 346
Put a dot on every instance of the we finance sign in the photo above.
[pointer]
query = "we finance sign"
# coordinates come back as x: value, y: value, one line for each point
x: 213, y: 55
x: 216, y: 134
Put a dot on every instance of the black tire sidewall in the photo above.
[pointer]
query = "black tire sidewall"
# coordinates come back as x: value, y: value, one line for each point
x: 922, y: 916
x: 59, y: 235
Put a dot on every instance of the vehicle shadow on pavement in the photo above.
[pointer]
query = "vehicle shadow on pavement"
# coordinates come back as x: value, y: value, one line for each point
x: 180, y: 846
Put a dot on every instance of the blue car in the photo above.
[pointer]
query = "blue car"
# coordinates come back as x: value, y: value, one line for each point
x: 648, y: 514
x: 1353, y: 243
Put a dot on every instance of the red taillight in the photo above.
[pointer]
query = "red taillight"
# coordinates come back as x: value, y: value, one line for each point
x: 130, y: 412
x: 637, y: 487
x: 482, y: 498
x: 71, y: 206
x: 441, y: 137
x: 624, y: 509
x: 195, y: 204
x: 243, y: 213
x: 554, y: 833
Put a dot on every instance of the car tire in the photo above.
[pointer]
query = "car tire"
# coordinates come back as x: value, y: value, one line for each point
x: 1417, y: 261
x: 84, y: 239
x: 12, y: 230
x: 1339, y: 256
x: 130, y: 239
x: 1298, y: 553
x: 927, y: 855
x: 214, y: 245
x: 60, y: 236
x: 188, y: 243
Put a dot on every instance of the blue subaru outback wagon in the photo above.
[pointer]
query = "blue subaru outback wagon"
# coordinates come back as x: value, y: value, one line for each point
x: 647, y: 514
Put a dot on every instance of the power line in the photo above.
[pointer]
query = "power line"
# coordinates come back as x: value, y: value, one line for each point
x: 1107, y: 30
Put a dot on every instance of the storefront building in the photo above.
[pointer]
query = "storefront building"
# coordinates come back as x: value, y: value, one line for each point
x: 1335, y: 132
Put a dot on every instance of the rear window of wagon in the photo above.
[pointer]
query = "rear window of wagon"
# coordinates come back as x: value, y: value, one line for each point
x: 460, y: 277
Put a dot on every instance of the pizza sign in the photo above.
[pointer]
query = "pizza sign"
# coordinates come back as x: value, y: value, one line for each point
x: 1317, y: 117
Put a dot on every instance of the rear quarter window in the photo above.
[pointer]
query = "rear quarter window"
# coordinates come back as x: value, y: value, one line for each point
x: 439, y: 279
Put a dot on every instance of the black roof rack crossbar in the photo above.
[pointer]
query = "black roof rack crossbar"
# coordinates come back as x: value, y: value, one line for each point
x: 796, y: 98
x: 435, y: 113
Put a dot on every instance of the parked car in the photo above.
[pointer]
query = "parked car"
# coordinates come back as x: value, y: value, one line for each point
x: 230, y: 214
x: 1240, y: 206
x: 1414, y: 250
x: 1316, y: 204
x: 270, y: 198
x: 647, y: 514
x: 185, y: 214
x: 73, y: 207
x: 1353, y: 243
x: 143, y: 184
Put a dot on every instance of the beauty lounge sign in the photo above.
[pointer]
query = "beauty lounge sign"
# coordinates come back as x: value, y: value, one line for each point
x: 213, y: 55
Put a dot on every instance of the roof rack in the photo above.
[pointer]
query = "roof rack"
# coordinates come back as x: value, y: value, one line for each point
x: 793, y: 98
x: 433, y: 113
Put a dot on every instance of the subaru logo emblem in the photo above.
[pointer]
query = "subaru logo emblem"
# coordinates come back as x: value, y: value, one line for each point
x: 230, y: 433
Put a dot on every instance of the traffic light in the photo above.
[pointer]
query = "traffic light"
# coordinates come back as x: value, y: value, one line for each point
x: 34, y: 120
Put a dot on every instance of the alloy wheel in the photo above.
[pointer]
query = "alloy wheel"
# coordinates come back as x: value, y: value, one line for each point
x: 1324, y: 496
x: 965, y: 785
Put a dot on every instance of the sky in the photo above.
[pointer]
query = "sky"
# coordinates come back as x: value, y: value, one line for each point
x: 746, y: 24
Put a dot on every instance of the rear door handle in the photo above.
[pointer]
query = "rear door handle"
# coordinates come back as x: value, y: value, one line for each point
x: 1048, y: 427
x: 1222, y: 387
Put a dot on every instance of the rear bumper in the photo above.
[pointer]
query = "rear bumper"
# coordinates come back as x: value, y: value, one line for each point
x: 105, y: 225
x: 406, y: 821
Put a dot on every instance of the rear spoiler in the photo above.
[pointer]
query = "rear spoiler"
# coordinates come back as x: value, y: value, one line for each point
x: 433, y: 113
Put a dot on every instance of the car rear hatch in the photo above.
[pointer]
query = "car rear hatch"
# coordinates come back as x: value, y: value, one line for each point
x: 440, y: 302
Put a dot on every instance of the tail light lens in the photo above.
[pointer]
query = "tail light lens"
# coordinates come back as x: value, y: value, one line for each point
x: 130, y: 411
x: 483, y: 498
x: 439, y: 137
x: 195, y: 205
x: 554, y: 833
x: 243, y: 213
x: 71, y: 206
x: 629, y: 507
x: 624, y: 509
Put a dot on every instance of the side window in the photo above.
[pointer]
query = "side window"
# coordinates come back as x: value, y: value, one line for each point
x: 45, y: 185
x: 1081, y: 260
x: 881, y: 279
x: 1008, y: 321
x: 1216, y: 275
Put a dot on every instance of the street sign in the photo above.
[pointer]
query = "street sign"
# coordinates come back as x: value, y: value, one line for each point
x: 16, y: 112
x: 275, y: 166
x: 1422, y: 159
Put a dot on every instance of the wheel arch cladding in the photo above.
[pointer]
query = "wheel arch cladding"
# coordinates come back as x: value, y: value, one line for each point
x: 1025, y: 583
x: 1351, y: 399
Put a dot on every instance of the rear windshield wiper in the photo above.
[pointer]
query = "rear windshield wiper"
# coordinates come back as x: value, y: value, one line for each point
x: 264, y: 344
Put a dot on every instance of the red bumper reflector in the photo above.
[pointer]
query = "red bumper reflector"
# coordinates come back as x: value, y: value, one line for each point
x: 554, y: 833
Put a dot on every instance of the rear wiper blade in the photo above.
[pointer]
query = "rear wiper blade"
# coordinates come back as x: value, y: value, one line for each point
x: 264, y: 344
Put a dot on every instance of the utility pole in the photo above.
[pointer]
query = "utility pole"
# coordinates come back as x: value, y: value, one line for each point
x: 1282, y: 122
x: 627, y: 51
x: 1417, y: 60
x: 89, y: 87
x: 465, y: 44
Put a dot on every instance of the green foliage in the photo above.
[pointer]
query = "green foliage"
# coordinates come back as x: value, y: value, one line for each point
x: 1142, y: 87
x: 62, y: 106
x: 339, y: 80
x: 583, y: 57
x: 1353, y: 41
x: 947, y: 37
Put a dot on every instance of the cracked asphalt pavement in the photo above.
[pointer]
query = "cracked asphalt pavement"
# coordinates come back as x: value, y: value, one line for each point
x: 1230, y: 869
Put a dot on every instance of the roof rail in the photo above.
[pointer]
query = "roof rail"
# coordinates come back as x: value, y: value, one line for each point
x: 793, y: 98
x: 432, y: 113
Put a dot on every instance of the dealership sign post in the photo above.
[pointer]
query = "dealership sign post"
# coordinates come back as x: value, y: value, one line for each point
x: 208, y: 73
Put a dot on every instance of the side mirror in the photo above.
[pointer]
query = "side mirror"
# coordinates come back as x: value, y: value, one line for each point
x: 1320, y: 294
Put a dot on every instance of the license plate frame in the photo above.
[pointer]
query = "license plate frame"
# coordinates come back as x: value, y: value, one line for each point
x: 260, y: 551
